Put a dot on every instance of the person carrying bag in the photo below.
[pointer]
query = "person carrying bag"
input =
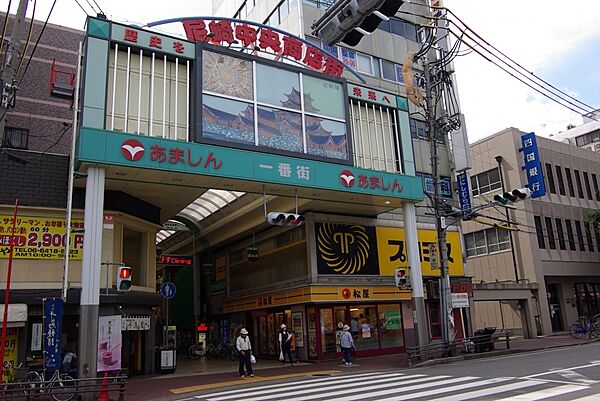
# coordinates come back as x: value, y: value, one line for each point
x: 244, y: 348
x: 285, y: 345
x: 346, y: 343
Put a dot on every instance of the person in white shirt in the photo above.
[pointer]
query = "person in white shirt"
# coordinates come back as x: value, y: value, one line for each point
x: 346, y: 343
x: 285, y: 344
x: 244, y: 348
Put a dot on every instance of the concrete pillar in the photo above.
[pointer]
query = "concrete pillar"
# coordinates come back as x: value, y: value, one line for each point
x: 528, y: 318
x: 416, y: 280
x: 90, y: 271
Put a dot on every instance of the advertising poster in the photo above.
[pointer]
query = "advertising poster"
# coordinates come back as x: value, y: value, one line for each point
x: 39, y: 238
x: 297, y: 328
x: 109, y: 343
x: 53, y: 314
x: 36, y: 337
x: 10, y: 352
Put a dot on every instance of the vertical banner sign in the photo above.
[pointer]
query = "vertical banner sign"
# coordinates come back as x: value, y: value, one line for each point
x: 464, y: 194
x: 36, y: 337
x: 53, y: 314
x: 533, y: 165
x: 109, y: 343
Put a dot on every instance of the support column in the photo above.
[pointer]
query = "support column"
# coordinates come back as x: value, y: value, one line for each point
x: 90, y: 272
x: 416, y: 280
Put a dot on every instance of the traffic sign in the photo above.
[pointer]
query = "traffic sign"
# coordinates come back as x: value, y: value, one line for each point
x: 167, y: 290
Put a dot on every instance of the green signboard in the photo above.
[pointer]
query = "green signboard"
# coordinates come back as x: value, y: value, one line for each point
x: 113, y: 148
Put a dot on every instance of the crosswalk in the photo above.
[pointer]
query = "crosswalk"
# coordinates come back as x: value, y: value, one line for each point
x: 396, y: 386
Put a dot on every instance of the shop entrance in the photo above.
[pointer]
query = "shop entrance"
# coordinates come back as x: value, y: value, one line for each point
x: 376, y: 329
x: 267, y: 329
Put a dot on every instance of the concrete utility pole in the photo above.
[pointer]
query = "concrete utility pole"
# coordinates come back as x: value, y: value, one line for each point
x: 14, y: 52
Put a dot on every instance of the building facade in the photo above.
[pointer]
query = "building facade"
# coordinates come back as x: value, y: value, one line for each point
x: 554, y: 254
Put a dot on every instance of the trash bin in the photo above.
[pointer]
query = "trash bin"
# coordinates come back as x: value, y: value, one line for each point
x: 483, y: 339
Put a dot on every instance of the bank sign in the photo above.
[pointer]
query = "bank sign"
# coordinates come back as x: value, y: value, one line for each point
x: 105, y: 147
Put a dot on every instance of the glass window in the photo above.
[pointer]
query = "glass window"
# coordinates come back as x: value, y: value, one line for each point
x: 16, y: 138
x: 418, y: 129
x: 503, y: 239
x: 539, y: 232
x: 474, y: 185
x: 227, y: 75
x: 550, y: 233
x: 365, y: 64
x: 570, y: 182
x: 561, y: 182
x: 399, y: 76
x: 279, y: 129
x: 588, y: 236
x: 588, y: 188
x: 277, y: 87
x: 368, y: 328
x: 349, y: 58
x: 227, y: 120
x: 410, y: 31
x: 570, y: 236
x: 385, y: 26
x: 331, y: 49
x: 492, y: 240
x: 388, y: 70
x: 322, y: 97
x: 486, y: 182
x: 560, y: 233
x: 550, y: 178
x: 376, y: 64
x: 397, y: 27
x: 326, y: 138
x: 390, y: 323
x: 579, y: 232
x: 595, y: 183
x: 578, y: 182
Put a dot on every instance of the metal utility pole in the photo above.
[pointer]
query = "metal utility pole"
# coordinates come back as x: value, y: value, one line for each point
x: 14, y: 52
x: 510, y: 237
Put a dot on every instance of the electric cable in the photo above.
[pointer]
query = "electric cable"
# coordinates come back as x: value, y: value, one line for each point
x: 101, y: 11
x: 28, y: 39
x: 82, y: 9
x: 5, y: 25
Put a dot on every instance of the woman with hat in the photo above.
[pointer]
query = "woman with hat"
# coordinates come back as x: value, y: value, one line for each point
x: 346, y: 343
x: 285, y: 344
x: 244, y: 348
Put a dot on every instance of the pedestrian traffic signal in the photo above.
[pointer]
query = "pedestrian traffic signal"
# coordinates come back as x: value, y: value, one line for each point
x: 356, y: 19
x: 402, y: 277
x: 513, y: 196
x: 124, y: 278
x: 285, y: 219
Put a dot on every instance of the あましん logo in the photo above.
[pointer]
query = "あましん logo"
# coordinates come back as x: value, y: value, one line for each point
x: 132, y: 149
x: 347, y: 178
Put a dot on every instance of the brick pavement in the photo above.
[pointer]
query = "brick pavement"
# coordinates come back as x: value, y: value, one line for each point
x: 197, y: 375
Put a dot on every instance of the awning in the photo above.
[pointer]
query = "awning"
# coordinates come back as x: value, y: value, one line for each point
x: 17, y: 315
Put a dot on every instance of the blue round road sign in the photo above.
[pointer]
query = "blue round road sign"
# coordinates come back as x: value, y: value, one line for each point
x: 167, y: 290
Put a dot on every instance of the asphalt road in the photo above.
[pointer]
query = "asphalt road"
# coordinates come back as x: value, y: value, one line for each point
x: 570, y: 373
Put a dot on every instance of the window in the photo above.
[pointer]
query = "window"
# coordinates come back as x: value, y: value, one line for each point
x: 588, y: 188
x: 401, y: 28
x: 570, y: 236
x: 486, y: 182
x: 349, y: 58
x: 570, y: 182
x: 561, y: 234
x: 365, y: 64
x: 539, y: 232
x: 550, y: 178
x: 595, y: 183
x: 550, y: 231
x: 388, y: 71
x: 331, y: 49
x: 588, y: 236
x: 399, y: 77
x: 579, y: 235
x: 561, y: 182
x: 16, y: 138
x: 578, y: 182
x: 486, y: 241
x: 418, y: 129
x: 598, y: 239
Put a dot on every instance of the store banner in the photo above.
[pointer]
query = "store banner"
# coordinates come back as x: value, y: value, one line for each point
x: 109, y: 343
x: 53, y: 315
x: 40, y: 238
x: 365, y: 250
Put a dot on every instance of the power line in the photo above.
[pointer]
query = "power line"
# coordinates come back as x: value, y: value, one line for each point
x: 82, y: 9
x: 5, y: 25
x: 101, y: 11
x: 28, y: 38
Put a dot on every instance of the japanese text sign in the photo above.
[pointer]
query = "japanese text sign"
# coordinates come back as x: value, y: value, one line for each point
x: 371, y: 95
x: 53, y: 314
x: 109, y: 343
x: 533, y: 165
x: 464, y: 194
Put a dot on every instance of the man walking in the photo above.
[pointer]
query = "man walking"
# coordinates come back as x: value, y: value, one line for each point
x: 244, y: 348
x: 346, y: 343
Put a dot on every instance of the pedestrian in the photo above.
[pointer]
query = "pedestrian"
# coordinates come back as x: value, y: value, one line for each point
x: 244, y: 348
x: 346, y: 343
x: 285, y: 344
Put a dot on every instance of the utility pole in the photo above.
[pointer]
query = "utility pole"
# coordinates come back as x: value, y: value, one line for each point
x: 14, y: 52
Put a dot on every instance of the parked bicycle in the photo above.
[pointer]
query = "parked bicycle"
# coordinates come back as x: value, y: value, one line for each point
x: 195, y: 351
x: 221, y: 351
x: 585, y: 327
x: 60, y: 386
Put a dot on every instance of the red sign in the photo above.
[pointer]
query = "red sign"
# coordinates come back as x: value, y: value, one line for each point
x: 347, y: 178
x: 202, y: 327
x: 222, y: 32
x: 133, y: 150
x: 175, y: 260
x: 131, y: 35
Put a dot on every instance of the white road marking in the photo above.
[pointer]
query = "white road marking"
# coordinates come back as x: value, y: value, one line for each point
x: 551, y: 371
x: 489, y: 391
x: 545, y: 393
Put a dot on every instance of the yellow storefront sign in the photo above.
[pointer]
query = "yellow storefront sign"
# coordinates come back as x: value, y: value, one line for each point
x: 39, y: 238
x: 10, y: 352
x: 391, y: 248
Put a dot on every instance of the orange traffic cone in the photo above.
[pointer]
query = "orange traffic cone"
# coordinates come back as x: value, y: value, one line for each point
x: 103, y: 396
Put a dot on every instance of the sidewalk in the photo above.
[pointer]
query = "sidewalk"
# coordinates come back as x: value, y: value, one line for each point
x: 203, y: 374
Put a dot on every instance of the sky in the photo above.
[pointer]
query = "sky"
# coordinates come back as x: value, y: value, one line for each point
x: 556, y: 40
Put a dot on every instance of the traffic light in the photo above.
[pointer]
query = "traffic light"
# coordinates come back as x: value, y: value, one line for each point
x: 124, y: 278
x: 285, y: 219
x: 402, y: 277
x: 356, y: 19
x: 513, y: 196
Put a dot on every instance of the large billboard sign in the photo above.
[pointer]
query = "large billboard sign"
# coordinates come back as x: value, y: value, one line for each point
x: 252, y: 103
